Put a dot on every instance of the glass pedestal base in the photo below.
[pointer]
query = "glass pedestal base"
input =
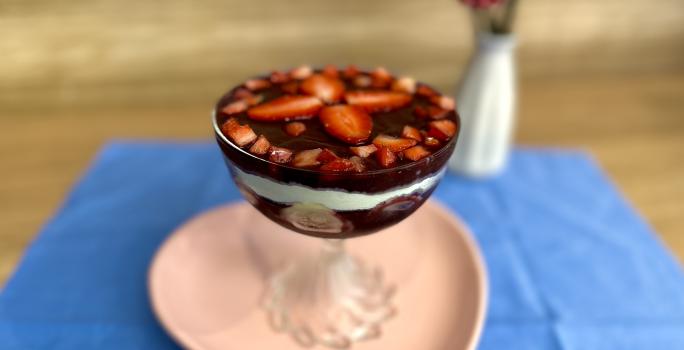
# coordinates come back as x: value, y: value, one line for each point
x: 331, y: 299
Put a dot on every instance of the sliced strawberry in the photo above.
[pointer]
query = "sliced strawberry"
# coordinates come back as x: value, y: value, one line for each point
x: 278, y: 77
x: 294, y: 129
x: 444, y: 102
x: 364, y: 151
x: 442, y: 129
x: 286, y: 108
x: 404, y: 84
x: 394, y: 144
x: 308, y: 158
x: 410, y: 132
x: 359, y: 165
x: 257, y: 84
x: 324, y: 87
x: 327, y: 156
x: 260, y: 146
x: 381, y: 78
x: 339, y: 165
x: 363, y: 81
x: 235, y: 107
x: 385, y: 157
x: 347, y: 123
x: 331, y: 71
x: 241, y: 135
x: 416, y: 153
x: 431, y: 142
x: 425, y: 91
x: 374, y: 101
x: 290, y: 88
x: 279, y: 154
x: 351, y: 71
x: 421, y: 112
x: 301, y: 72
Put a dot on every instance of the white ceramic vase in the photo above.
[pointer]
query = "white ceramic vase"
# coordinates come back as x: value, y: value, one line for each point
x: 486, y: 102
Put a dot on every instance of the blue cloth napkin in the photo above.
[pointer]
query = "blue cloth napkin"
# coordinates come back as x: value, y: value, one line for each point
x: 571, y: 265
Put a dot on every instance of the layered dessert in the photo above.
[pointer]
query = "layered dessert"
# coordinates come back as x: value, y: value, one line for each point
x: 335, y: 153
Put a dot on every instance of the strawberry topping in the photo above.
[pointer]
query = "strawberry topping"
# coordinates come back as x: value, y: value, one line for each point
x: 442, y: 129
x: 301, y: 72
x: 444, y: 102
x: 290, y: 88
x: 326, y: 156
x: 308, y: 158
x: 351, y: 71
x: 260, y: 146
x: 331, y: 71
x: 279, y: 154
x: 410, y: 132
x: 416, y: 153
x: 393, y: 144
x: 431, y: 142
x: 425, y: 91
x: 241, y: 135
x: 324, y: 87
x: 404, y: 84
x: 339, y: 165
x: 364, y: 151
x: 295, y: 128
x: 235, y: 107
x: 374, y: 101
x: 385, y: 157
x: 286, y: 108
x: 347, y: 123
x: 257, y: 84
x: 278, y: 77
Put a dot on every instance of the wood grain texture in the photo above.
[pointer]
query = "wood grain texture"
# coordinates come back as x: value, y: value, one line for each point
x: 606, y: 75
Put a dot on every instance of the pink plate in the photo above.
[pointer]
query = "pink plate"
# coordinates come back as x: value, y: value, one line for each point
x: 206, y: 280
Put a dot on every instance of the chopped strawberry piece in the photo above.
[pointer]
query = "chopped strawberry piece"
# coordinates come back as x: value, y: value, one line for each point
x: 241, y: 135
x: 339, y: 165
x: 308, y: 158
x: 351, y: 71
x: 290, y: 88
x: 410, y: 132
x: 327, y: 156
x: 442, y: 129
x: 279, y: 154
x: 364, y: 151
x: 235, y: 107
x: 324, y: 87
x: 359, y: 166
x: 347, y: 123
x: 278, y: 77
x: 385, y: 157
x: 444, y: 102
x: 257, y: 84
x: 363, y: 81
x: 331, y: 71
x: 301, y: 72
x: 260, y: 146
x: 425, y: 91
x: 404, y: 84
x: 295, y: 128
x: 242, y: 94
x: 431, y: 142
x: 381, y: 77
x: 374, y: 101
x: 394, y: 144
x: 286, y: 108
x: 431, y: 112
x: 416, y: 153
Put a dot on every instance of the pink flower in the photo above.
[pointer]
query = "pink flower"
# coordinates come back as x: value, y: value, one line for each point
x: 481, y: 4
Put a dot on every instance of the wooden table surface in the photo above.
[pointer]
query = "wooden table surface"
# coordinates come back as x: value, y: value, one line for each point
x: 76, y: 74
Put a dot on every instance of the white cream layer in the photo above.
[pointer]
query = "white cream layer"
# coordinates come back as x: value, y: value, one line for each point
x: 335, y: 199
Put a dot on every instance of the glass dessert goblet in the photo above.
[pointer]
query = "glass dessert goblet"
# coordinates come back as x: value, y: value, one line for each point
x: 334, y: 183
